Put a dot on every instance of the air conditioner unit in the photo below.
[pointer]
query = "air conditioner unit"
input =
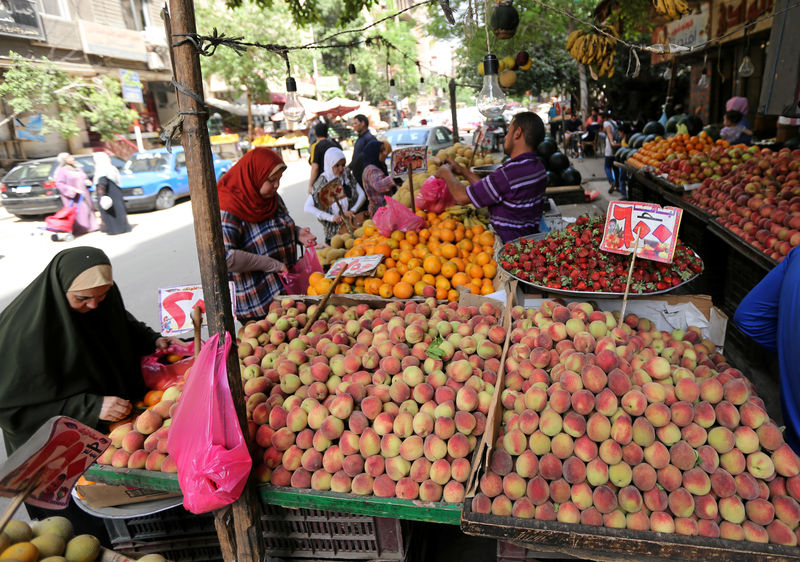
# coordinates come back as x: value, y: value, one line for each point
x: 154, y: 61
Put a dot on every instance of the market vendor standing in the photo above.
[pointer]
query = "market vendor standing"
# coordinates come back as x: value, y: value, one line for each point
x: 259, y: 235
x: 768, y: 314
x: 514, y: 193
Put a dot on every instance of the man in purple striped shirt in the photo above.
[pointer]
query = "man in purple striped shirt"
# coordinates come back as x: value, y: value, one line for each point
x: 514, y: 193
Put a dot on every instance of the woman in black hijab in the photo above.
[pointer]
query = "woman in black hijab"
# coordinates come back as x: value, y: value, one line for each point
x: 70, y: 348
x: 374, y: 178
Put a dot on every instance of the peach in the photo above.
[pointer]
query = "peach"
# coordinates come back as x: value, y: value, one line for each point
x: 669, y: 477
x: 598, y: 428
x: 383, y: 486
x: 655, y: 499
x: 727, y: 414
x: 574, y: 470
x: 733, y: 461
x: 708, y: 528
x: 787, y: 510
x: 747, y: 486
x: 760, y: 465
x: 606, y: 403
x: 657, y: 455
x: 490, y: 484
x: 780, y: 533
x: 681, y: 413
x: 583, y: 401
x: 434, y: 448
x: 770, y: 436
x: 697, y: 481
x: 550, y: 466
x: 420, y: 469
x: 707, y: 458
x: 514, y: 486
x: 634, y: 402
x: 311, y: 460
x: 760, y: 511
x: 752, y: 416
x: 148, y: 421
x: 643, y: 433
x: 362, y: 484
x: 466, y: 423
x: 632, y: 454
x: 539, y: 443
x: 644, y: 477
x: 604, y: 499
x: 731, y: 509
x: 736, y: 391
x: 132, y: 441
x: 481, y: 503
x: 301, y: 478
x: 658, y: 414
x: 423, y: 424
x: 610, y: 452
x: 721, y: 438
x: 407, y: 489
x: 662, y: 522
x: 562, y: 445
x: 620, y: 474
x: 711, y: 391
x: 397, y: 467
x: 786, y: 461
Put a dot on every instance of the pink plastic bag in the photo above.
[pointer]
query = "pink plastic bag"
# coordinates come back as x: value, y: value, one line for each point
x: 205, y: 438
x: 159, y: 374
x: 295, y: 282
x: 396, y: 216
x: 434, y: 196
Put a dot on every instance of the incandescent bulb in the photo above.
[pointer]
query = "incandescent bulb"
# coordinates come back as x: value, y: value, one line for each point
x: 704, y: 81
x: 292, y: 110
x: 393, y: 95
x: 491, y: 100
x: 353, y: 87
x: 421, y: 89
x: 746, y: 69
x: 667, y: 74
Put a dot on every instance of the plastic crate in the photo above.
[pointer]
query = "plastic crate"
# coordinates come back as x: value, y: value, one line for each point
x: 292, y: 534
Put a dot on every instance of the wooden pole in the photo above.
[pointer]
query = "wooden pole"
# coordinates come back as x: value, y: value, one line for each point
x: 239, y: 524
x: 411, y: 188
x: 628, y: 281
x: 323, y: 302
x: 453, y: 112
x: 197, y: 322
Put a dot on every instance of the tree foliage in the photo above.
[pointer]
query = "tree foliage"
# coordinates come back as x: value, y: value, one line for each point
x: 38, y: 86
x: 305, y: 12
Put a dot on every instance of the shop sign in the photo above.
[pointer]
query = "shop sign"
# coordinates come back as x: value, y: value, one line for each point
x: 175, y: 305
x: 19, y: 18
x: 731, y: 14
x: 358, y: 266
x: 107, y: 41
x: 689, y: 31
x: 648, y: 228
x: 51, y: 461
x: 131, y: 87
x: 32, y: 130
x: 414, y: 158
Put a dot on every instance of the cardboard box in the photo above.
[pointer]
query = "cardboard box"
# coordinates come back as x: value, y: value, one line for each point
x: 106, y: 495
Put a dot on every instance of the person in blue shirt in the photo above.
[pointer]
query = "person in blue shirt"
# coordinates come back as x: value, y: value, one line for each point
x: 768, y: 314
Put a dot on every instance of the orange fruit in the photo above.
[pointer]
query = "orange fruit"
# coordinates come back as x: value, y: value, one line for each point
x: 385, y: 291
x: 447, y: 235
x: 466, y: 245
x: 442, y: 283
x: 429, y: 279
x: 460, y: 263
x: 322, y: 286
x: 432, y: 264
x: 424, y: 234
x: 395, y: 255
x: 356, y: 251
x: 482, y: 258
x: 487, y: 289
x: 398, y: 235
x: 489, y: 271
x: 449, y: 251
x: 380, y: 270
x: 405, y: 245
x: 390, y: 263
x: 460, y: 278
x: 474, y: 271
x: 419, y: 286
x: 405, y: 256
x: 391, y: 277
x: 401, y: 268
x: 314, y: 278
x: 343, y: 288
x: 412, y: 237
x: 486, y: 239
x: 452, y: 295
x: 414, y: 263
x: 441, y: 294
x: 449, y: 269
x: 153, y: 397
x: 382, y: 249
x: 403, y: 290
x: 477, y: 229
x: 411, y: 277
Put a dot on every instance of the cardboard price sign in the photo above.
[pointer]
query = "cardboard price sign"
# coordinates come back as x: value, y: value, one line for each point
x: 654, y: 229
x: 330, y: 193
x: 409, y: 159
x: 355, y: 267
x: 175, y: 305
x: 51, y: 461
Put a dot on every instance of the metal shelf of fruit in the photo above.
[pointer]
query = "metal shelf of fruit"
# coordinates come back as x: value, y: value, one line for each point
x: 412, y: 510
x: 603, y: 543
x: 755, y: 255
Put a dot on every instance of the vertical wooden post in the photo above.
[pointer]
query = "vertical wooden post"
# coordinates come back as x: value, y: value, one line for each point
x: 238, y: 525
x: 453, y: 111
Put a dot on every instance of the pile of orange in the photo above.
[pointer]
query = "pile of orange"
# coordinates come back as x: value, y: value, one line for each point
x: 678, y: 146
x: 445, y: 255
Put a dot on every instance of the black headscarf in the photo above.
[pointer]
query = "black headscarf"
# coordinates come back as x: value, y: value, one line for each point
x: 372, y: 155
x: 57, y: 361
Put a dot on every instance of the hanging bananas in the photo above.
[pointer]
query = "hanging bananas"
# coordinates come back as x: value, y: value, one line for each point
x: 467, y: 214
x: 673, y: 9
x: 595, y: 49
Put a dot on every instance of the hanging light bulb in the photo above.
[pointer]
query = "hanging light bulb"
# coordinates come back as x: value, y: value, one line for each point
x: 746, y: 69
x: 353, y: 87
x: 667, y: 74
x: 704, y: 81
x: 421, y: 89
x: 393, y: 95
x: 292, y: 110
x: 491, y: 100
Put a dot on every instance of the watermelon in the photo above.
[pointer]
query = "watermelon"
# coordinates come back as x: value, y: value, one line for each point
x: 672, y: 124
x: 546, y: 149
x: 570, y: 176
x: 553, y: 179
x: 558, y: 162
x: 653, y: 128
x: 638, y: 142
x: 693, y: 124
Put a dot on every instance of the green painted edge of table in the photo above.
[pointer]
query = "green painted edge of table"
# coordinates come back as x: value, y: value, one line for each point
x: 439, y: 512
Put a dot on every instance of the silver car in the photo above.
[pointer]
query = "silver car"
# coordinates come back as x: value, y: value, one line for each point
x: 434, y: 137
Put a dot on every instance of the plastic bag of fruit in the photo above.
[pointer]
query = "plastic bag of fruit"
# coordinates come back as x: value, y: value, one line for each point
x: 166, y: 367
x: 205, y: 438
x: 434, y: 196
x: 295, y: 281
x: 396, y: 216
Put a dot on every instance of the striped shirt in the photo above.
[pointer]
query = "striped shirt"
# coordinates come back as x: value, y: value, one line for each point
x: 376, y: 184
x: 274, y: 237
x: 514, y: 195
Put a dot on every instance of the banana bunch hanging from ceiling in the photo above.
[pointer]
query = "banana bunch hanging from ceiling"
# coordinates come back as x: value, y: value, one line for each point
x: 594, y: 49
x: 673, y: 9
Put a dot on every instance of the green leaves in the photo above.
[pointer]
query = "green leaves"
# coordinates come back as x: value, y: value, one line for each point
x: 41, y: 85
x: 434, y: 350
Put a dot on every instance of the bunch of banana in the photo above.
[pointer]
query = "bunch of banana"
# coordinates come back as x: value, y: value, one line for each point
x: 468, y: 215
x: 674, y: 9
x: 595, y: 49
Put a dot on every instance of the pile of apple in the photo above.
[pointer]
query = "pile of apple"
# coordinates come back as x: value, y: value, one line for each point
x: 142, y: 443
x: 386, y: 402
x: 759, y: 201
x: 630, y: 427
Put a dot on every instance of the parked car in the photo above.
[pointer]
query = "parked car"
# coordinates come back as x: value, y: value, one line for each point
x: 154, y: 179
x: 435, y: 138
x: 29, y: 189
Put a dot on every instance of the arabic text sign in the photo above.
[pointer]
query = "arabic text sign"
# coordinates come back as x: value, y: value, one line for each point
x: 56, y: 455
x: 175, y: 305
x: 414, y: 158
x: 657, y: 229
x: 356, y: 267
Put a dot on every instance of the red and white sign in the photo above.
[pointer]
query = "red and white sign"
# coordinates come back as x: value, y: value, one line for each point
x: 655, y: 227
x: 414, y: 158
x: 52, y: 460
x: 356, y: 267
x: 175, y: 305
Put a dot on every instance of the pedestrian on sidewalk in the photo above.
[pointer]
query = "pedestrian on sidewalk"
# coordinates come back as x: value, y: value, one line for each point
x: 353, y: 196
x: 612, y: 143
x: 106, y: 181
x: 72, y: 184
x: 316, y: 152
